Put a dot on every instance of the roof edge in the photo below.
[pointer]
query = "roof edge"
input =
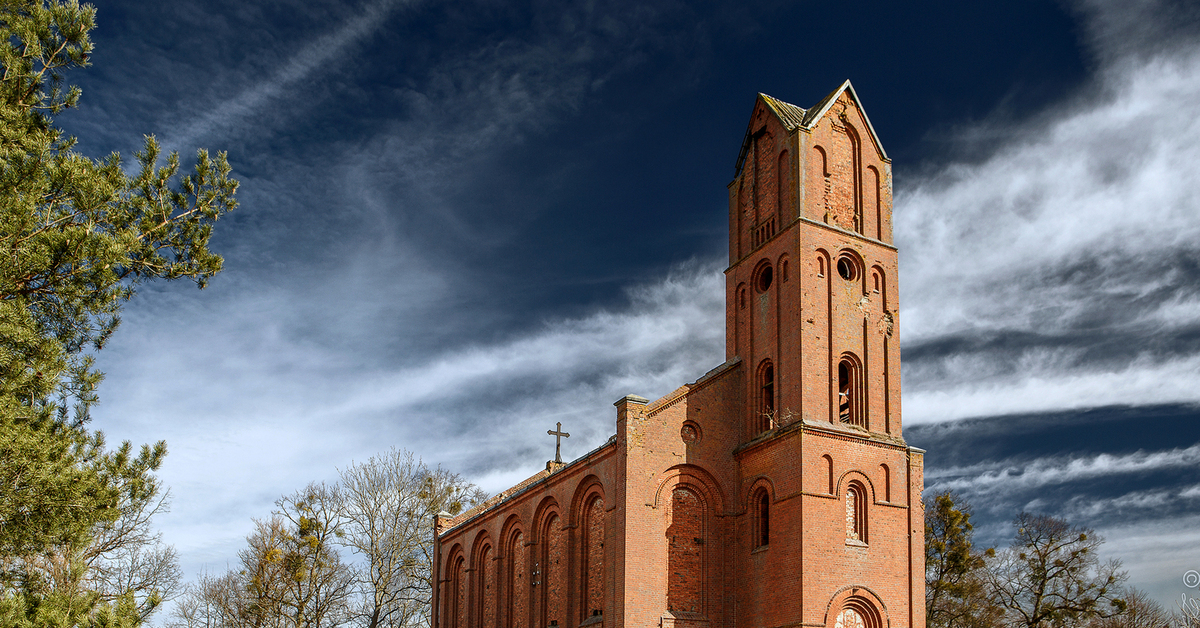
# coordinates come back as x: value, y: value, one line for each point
x: 821, y: 108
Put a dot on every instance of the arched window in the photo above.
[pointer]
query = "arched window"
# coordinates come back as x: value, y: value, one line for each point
x: 761, y: 504
x: 886, y: 473
x: 766, y: 395
x: 485, y: 587
x: 844, y: 389
x: 457, y: 606
x: 593, y: 557
x: 829, y: 476
x: 553, y: 572
x: 517, y: 581
x: 785, y: 189
x: 849, y: 391
x: 685, y: 552
x: 856, y: 512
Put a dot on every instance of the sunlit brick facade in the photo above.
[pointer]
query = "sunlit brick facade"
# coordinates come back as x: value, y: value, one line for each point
x: 776, y: 490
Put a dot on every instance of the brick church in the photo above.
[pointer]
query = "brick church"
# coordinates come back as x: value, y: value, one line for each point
x: 776, y: 490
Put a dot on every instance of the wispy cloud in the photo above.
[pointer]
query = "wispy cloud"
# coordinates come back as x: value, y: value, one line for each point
x: 1156, y: 553
x: 290, y: 401
x: 1051, y: 274
x: 229, y: 116
x: 1004, y: 476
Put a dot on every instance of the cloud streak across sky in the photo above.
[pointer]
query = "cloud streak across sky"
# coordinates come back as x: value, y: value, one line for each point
x: 459, y: 226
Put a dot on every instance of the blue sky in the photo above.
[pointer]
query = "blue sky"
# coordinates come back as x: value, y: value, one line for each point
x: 463, y: 222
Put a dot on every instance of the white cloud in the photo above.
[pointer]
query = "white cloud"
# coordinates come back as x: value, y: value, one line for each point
x: 1007, y: 477
x: 1068, y: 230
x: 1040, y: 386
x: 263, y: 410
x: 1157, y: 554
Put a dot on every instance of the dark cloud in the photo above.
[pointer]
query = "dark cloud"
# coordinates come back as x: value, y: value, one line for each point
x: 1124, y: 471
x: 1029, y: 436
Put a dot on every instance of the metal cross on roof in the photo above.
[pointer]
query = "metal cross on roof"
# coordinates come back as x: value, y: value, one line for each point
x: 558, y: 435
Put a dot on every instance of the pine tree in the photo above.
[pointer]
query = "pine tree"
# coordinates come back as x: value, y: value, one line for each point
x: 77, y: 235
x: 955, y: 595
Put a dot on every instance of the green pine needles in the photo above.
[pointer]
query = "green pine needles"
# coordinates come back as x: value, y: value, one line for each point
x: 77, y: 235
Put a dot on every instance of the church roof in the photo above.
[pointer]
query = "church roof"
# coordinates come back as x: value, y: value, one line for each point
x: 793, y: 117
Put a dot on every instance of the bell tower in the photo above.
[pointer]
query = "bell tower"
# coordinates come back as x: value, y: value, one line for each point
x: 811, y: 301
x: 831, y: 514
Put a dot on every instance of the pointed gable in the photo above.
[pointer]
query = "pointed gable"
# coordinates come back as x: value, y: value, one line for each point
x: 814, y: 113
x: 793, y: 117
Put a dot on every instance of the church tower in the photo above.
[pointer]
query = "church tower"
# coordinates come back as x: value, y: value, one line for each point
x: 776, y: 490
x: 812, y: 317
x: 811, y: 307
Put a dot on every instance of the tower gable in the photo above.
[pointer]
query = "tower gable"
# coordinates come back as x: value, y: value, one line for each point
x: 811, y: 301
x: 847, y: 174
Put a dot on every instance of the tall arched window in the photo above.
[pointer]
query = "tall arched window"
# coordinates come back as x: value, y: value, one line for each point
x: 886, y: 474
x: 856, y: 512
x: 457, y: 595
x: 766, y: 407
x: 761, y: 504
x: 849, y: 391
x: 782, y: 175
x: 516, y: 582
x: 554, y: 572
x: 829, y: 473
x: 593, y: 557
x: 685, y: 552
x: 485, y: 587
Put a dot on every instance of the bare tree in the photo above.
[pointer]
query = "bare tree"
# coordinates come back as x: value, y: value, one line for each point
x: 127, y: 557
x: 290, y: 575
x: 318, y: 583
x: 1141, y: 611
x: 209, y: 602
x: 1052, y: 576
x: 1188, y: 613
x: 388, y: 504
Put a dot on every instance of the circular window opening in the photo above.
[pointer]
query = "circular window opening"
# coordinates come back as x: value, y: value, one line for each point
x: 764, y: 279
x: 847, y: 269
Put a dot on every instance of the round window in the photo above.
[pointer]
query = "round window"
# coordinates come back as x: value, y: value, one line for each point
x: 764, y: 279
x: 847, y: 268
